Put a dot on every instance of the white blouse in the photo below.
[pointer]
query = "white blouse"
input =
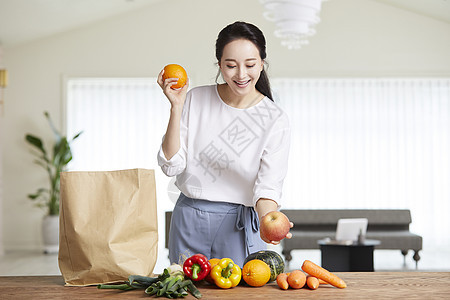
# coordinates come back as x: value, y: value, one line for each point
x: 229, y: 154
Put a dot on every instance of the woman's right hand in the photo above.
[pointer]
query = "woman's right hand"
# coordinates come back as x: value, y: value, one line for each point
x: 176, y: 96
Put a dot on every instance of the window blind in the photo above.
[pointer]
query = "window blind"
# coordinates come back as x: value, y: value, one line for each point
x: 356, y: 142
x: 371, y: 143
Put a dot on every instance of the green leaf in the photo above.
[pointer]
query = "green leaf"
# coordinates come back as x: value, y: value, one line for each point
x: 38, y: 193
x: 57, y: 134
x: 77, y: 135
x: 61, y: 153
x: 35, y: 141
x: 67, y: 157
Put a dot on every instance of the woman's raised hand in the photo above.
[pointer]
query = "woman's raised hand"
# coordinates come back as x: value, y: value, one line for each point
x: 176, y: 96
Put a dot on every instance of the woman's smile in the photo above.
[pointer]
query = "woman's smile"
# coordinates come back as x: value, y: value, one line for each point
x: 243, y: 83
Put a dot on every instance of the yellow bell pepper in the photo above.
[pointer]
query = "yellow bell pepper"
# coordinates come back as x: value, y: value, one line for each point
x: 226, y: 274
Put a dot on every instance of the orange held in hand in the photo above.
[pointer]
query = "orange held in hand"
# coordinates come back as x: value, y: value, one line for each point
x: 175, y: 71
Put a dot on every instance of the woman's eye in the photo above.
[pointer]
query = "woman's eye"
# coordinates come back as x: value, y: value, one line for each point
x: 230, y: 67
x: 251, y: 66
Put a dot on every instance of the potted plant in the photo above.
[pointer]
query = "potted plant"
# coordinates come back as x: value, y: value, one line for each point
x: 53, y: 163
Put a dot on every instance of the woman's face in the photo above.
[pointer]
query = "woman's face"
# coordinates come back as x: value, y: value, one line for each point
x: 241, y: 66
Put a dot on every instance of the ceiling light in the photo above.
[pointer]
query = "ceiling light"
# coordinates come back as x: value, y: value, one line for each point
x: 295, y: 20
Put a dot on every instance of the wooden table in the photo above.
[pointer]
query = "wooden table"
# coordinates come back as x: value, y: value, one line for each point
x: 360, y: 285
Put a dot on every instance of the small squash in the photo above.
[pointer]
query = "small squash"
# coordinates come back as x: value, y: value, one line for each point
x: 272, y: 259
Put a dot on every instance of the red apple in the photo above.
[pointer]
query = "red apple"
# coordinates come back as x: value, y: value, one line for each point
x: 274, y: 226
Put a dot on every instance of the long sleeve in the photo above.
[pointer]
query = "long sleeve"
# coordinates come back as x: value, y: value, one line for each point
x: 173, y: 166
x: 274, y: 164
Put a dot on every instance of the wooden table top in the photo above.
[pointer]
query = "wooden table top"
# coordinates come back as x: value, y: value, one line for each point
x: 360, y: 285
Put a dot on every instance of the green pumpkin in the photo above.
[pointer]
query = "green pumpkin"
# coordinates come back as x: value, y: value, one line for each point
x: 272, y: 258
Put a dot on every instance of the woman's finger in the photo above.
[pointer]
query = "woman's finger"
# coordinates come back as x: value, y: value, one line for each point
x: 168, y: 83
x: 160, y: 78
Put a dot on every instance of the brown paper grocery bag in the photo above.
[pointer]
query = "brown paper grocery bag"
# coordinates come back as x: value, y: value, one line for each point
x: 108, y: 226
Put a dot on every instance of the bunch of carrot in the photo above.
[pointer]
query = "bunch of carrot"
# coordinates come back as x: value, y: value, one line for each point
x: 316, y: 276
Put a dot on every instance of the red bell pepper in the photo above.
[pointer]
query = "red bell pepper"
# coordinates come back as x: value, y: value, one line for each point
x: 197, y: 267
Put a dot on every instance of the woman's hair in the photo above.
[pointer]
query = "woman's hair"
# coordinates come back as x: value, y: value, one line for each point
x: 241, y: 30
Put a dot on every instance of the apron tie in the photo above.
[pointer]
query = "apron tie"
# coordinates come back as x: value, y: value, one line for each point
x: 247, y: 219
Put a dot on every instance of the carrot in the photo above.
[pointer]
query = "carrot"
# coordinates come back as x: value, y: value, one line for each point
x: 321, y: 273
x: 322, y: 281
x: 296, y: 279
x: 282, y: 281
x: 312, y: 282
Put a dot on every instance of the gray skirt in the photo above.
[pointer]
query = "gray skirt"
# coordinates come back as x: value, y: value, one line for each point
x: 215, y: 229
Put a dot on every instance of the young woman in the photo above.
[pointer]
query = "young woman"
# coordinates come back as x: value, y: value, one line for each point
x: 228, y: 145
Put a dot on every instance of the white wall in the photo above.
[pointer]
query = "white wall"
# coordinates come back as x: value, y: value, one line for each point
x: 355, y: 38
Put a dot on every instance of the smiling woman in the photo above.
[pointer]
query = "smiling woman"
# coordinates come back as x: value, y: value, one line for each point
x: 228, y: 156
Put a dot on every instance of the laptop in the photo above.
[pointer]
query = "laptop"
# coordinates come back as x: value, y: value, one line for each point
x: 349, y: 229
